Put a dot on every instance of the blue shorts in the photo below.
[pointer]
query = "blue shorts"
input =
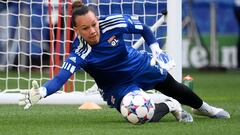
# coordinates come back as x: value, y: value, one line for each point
x: 144, y: 78
x: 114, y: 98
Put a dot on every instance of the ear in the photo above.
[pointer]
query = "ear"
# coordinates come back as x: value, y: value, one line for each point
x: 76, y: 30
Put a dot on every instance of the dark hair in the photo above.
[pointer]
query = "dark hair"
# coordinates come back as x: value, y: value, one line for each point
x: 78, y: 9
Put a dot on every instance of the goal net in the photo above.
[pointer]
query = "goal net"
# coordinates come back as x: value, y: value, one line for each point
x: 36, y: 37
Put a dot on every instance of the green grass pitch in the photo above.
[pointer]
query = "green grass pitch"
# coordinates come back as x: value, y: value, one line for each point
x: 218, y: 88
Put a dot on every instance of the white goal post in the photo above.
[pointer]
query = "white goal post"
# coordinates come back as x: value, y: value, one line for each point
x: 174, y: 36
x: 35, y: 39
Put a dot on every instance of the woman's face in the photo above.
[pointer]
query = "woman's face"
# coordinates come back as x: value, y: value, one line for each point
x: 87, y: 26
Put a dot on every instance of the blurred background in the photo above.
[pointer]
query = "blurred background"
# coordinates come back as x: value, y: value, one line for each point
x: 214, y: 26
x: 36, y: 35
x: 210, y: 31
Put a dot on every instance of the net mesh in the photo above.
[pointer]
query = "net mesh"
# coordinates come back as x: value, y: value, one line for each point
x: 36, y: 35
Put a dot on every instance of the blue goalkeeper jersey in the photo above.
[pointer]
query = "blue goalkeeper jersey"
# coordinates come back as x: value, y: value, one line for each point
x: 115, y: 66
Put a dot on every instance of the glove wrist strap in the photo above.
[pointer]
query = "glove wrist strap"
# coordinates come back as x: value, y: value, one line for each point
x: 43, y: 92
x: 155, y: 47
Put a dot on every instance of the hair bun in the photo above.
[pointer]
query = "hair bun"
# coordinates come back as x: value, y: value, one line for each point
x: 77, y: 4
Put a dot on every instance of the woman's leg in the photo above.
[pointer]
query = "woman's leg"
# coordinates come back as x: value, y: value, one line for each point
x: 186, y: 96
x: 180, y: 92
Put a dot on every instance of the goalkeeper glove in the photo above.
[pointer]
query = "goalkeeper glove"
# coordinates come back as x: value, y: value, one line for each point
x: 32, y: 96
x: 161, y: 57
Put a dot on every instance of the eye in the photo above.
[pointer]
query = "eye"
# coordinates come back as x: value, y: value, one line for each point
x: 94, y: 25
x: 84, y: 28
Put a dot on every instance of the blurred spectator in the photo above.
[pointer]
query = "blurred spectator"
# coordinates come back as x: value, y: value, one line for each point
x: 237, y: 13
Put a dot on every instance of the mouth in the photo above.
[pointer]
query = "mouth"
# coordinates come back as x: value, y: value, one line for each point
x: 94, y: 39
x: 93, y: 36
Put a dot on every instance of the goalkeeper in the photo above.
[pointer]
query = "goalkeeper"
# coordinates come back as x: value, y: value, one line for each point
x: 118, y: 68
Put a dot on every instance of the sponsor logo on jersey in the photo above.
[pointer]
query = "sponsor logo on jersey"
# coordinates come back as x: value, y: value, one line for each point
x: 113, y: 40
x: 73, y: 59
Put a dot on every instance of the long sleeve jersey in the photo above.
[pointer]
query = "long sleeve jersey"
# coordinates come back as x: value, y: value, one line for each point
x: 113, y: 64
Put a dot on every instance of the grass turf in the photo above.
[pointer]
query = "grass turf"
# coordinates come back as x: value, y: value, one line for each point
x: 218, y: 88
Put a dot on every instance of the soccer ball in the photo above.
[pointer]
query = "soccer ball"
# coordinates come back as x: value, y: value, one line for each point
x: 137, y: 107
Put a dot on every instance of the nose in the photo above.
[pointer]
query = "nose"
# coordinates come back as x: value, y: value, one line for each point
x: 92, y: 31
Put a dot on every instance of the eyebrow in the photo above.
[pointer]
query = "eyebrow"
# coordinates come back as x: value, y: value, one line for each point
x: 93, y: 22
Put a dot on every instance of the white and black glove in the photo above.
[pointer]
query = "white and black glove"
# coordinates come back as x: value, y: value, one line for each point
x: 32, y: 96
x: 161, y: 57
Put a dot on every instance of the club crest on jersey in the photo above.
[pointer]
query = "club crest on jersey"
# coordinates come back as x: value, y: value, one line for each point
x: 113, y: 40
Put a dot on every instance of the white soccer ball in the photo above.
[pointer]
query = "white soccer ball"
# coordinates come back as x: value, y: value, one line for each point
x: 137, y: 107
